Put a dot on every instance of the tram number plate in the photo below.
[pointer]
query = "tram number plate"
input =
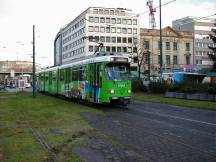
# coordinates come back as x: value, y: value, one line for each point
x: 121, y: 85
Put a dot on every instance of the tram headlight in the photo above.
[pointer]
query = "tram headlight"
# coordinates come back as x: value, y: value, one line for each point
x: 129, y: 91
x: 112, y: 91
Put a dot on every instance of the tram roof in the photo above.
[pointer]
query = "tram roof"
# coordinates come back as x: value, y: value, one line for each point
x: 84, y: 62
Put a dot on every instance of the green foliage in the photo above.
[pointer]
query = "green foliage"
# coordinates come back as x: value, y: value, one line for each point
x: 210, y: 88
x: 189, y: 87
x: 173, y: 88
x: 137, y: 85
x: 158, y: 87
x: 212, y: 55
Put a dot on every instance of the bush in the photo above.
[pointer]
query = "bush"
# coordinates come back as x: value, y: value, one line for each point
x: 198, y: 88
x: 211, y: 88
x: 158, y: 87
x: 173, y: 88
x: 137, y: 85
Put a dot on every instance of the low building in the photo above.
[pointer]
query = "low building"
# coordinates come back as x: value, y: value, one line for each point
x: 10, y: 70
x: 177, y: 49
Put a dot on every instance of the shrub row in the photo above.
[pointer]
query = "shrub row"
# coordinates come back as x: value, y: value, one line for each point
x: 162, y: 87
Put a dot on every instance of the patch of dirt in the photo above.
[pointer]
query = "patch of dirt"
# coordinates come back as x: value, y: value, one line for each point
x: 58, y: 148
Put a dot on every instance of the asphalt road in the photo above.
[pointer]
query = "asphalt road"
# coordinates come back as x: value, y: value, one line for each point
x: 155, y: 132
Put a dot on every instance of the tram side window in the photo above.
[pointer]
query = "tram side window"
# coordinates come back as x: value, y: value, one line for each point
x: 54, y: 76
x: 50, y: 78
x: 68, y: 74
x: 75, y: 74
x: 62, y: 75
x: 83, y: 73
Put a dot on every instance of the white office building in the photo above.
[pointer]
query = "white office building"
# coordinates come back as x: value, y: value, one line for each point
x: 201, y: 27
x: 116, y: 28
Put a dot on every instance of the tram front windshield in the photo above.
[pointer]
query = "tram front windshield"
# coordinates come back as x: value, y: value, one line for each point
x: 117, y: 72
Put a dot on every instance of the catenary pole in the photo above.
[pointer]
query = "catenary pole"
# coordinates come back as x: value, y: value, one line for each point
x: 161, y: 44
x: 33, y: 68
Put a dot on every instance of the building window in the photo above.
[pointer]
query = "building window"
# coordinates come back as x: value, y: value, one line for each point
x: 102, y: 29
x: 134, y: 21
x: 113, y: 21
x: 187, y: 60
x: 134, y: 31
x: 113, y: 39
x: 91, y: 39
x: 108, y: 20
x: 135, y: 41
x: 102, y: 39
x: 107, y: 48
x: 107, y: 29
x: 102, y: 20
x: 111, y: 12
x: 167, y: 45
x: 107, y: 39
x: 91, y: 29
x: 96, y: 19
x: 124, y: 40
x: 129, y: 49
x: 187, y: 46
x: 96, y: 38
x: 129, y: 22
x: 91, y: 19
x: 113, y: 49
x: 146, y: 45
x: 129, y: 40
x: 124, y: 30
x: 124, y: 21
x: 175, y: 59
x: 129, y: 30
x: 168, y: 59
x: 106, y: 12
x: 100, y: 11
x: 124, y: 49
x: 122, y: 13
x: 118, y: 49
x: 96, y: 29
x: 175, y: 46
x: 118, y: 21
x: 118, y: 39
x: 95, y: 11
x: 113, y: 30
x: 117, y: 12
x: 118, y: 30
x: 102, y: 49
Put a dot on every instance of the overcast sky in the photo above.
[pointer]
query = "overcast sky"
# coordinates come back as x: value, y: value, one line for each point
x: 18, y: 16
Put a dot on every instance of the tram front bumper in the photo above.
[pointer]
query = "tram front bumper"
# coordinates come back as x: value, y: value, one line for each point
x: 121, y: 100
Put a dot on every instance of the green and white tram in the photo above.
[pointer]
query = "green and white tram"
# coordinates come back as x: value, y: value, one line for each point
x: 102, y: 79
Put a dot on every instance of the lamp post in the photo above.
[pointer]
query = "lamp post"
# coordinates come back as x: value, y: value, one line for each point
x: 33, y: 68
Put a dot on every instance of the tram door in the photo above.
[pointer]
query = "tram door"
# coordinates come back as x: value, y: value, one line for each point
x: 94, y: 82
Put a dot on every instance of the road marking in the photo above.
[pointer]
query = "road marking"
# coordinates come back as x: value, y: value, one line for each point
x: 175, y: 117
